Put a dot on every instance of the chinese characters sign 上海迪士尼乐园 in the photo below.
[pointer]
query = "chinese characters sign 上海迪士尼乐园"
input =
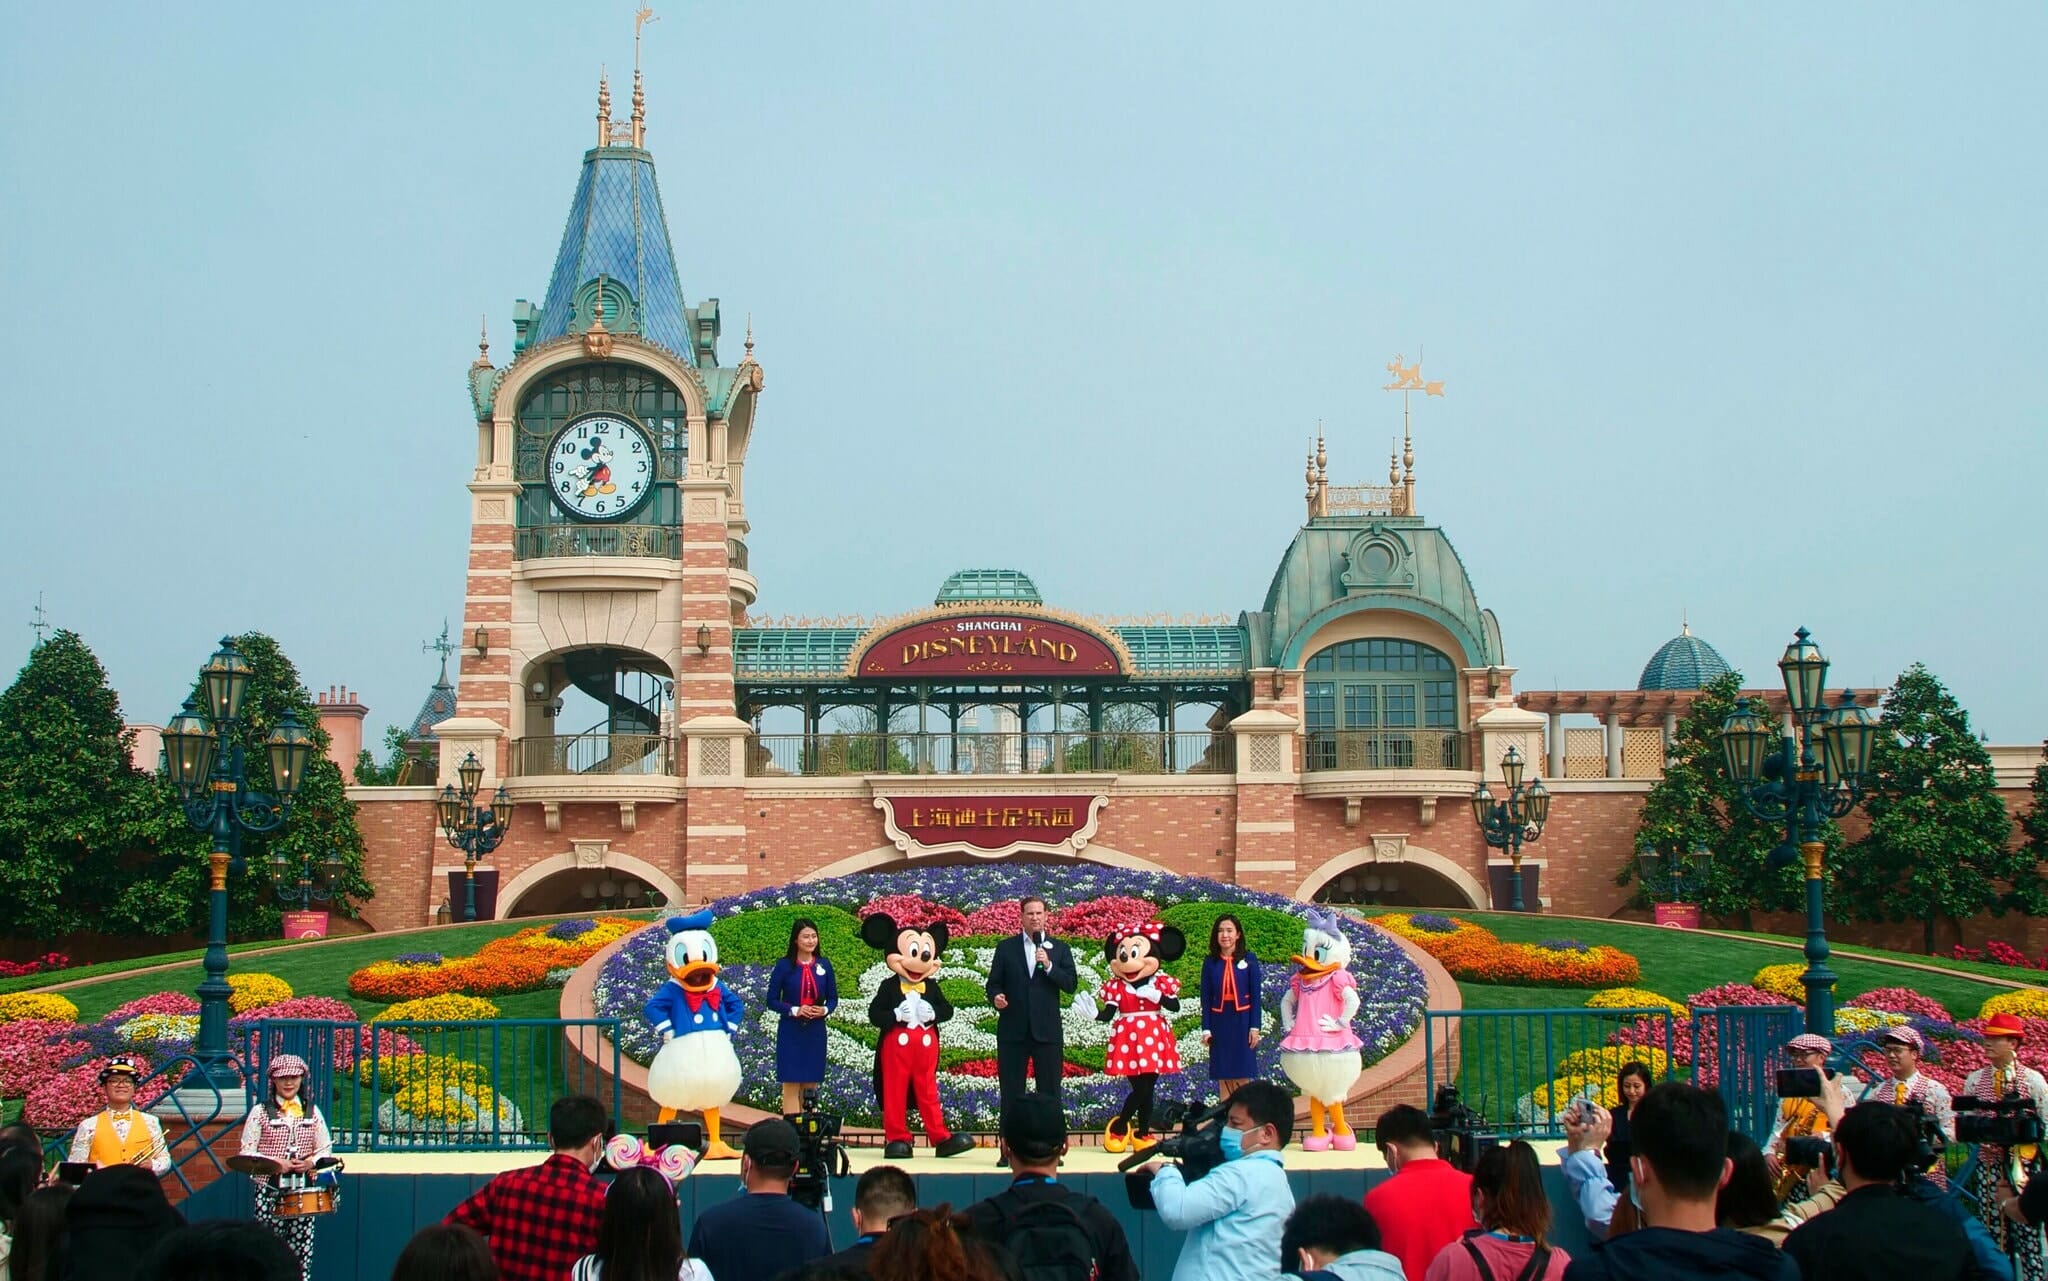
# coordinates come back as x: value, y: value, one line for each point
x: 990, y: 825
x: 989, y: 645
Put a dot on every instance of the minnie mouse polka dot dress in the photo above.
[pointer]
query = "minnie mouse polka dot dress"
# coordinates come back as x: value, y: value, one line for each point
x: 1143, y: 1039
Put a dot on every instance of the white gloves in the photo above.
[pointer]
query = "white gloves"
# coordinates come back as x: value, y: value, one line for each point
x: 1084, y: 1004
x: 1149, y: 991
x: 667, y: 1036
x: 1330, y: 1023
x: 914, y: 1011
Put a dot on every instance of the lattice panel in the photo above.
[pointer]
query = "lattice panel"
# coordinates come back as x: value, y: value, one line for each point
x: 1269, y: 754
x: 1642, y: 753
x: 714, y: 757
x: 1585, y: 753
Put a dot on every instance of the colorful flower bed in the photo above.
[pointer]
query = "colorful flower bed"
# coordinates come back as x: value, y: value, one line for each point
x: 1782, y: 980
x: 1633, y: 998
x: 1473, y: 953
x: 979, y: 904
x: 36, y: 1005
x: 46, y: 962
x: 255, y: 991
x: 450, y: 1008
x: 1999, y: 952
x: 527, y: 961
x: 2028, y: 1003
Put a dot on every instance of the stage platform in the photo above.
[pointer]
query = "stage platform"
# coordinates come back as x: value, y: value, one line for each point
x: 386, y: 1196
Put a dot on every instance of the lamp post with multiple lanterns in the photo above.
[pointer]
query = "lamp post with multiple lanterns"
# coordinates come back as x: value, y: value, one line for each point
x: 1512, y: 820
x: 212, y: 777
x: 313, y: 883
x: 474, y: 829
x: 1675, y: 874
x: 1816, y: 772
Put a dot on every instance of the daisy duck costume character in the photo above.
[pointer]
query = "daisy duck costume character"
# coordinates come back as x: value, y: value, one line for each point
x: 907, y: 1010
x: 695, y: 1015
x: 1320, y: 1052
x: 1135, y: 1001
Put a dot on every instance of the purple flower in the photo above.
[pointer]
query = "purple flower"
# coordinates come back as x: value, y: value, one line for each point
x: 570, y: 930
x: 1564, y: 945
x: 1434, y: 923
x: 417, y: 958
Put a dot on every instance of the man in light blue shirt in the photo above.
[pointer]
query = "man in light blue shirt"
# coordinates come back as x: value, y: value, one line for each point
x: 1233, y: 1217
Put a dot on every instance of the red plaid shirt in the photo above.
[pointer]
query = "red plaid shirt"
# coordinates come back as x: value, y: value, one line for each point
x: 539, y: 1220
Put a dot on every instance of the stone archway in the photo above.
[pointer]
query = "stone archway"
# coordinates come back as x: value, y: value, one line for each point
x: 889, y: 856
x: 588, y: 861
x: 1443, y: 869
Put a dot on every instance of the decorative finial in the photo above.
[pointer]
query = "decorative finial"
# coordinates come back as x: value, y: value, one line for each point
x: 483, y: 344
x: 597, y: 340
x: 750, y: 335
x: 640, y: 19
x: 1322, y: 456
x: 39, y: 623
x: 444, y: 646
x: 1684, y: 623
x: 604, y: 108
x: 1393, y: 465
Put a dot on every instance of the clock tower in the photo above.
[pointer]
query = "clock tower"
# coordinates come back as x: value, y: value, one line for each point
x: 608, y: 556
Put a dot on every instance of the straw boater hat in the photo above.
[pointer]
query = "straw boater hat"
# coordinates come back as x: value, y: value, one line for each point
x: 1810, y: 1043
x: 2005, y: 1025
x: 1903, y: 1036
x: 120, y: 1065
x: 287, y: 1065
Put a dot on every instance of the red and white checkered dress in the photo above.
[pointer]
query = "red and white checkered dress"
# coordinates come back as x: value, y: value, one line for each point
x: 1143, y: 1037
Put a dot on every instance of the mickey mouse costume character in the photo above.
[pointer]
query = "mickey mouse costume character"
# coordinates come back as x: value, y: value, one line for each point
x: 908, y: 1008
x: 695, y: 1015
x: 1142, y: 1045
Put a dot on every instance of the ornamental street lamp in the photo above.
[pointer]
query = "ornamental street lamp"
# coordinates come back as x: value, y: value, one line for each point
x: 1674, y: 874
x: 1517, y: 818
x: 315, y: 883
x: 212, y: 777
x: 474, y: 829
x: 1803, y: 782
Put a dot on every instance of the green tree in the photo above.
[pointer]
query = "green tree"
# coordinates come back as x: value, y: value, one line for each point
x: 79, y: 826
x: 2030, y: 882
x: 1695, y: 804
x: 323, y: 819
x: 396, y: 758
x: 1937, y: 844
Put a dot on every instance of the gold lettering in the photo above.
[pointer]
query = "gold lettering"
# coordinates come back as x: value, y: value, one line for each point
x: 916, y: 817
x: 1012, y: 817
x: 911, y: 653
x: 942, y: 818
x: 1036, y: 816
x: 988, y: 817
x: 964, y: 818
x: 1063, y: 817
x: 1066, y: 652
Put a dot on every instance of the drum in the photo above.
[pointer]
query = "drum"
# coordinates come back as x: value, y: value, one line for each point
x: 261, y: 1167
x: 299, y: 1203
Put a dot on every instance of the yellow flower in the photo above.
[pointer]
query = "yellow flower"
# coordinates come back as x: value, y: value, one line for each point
x: 433, y: 1071
x: 1854, y: 1018
x: 37, y: 1005
x: 1606, y: 1060
x: 2028, y: 1003
x: 1633, y: 998
x: 254, y: 991
x: 1782, y: 980
x: 449, y: 1007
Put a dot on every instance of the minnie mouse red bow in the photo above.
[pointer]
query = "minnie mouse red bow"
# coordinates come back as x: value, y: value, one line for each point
x: 1149, y: 929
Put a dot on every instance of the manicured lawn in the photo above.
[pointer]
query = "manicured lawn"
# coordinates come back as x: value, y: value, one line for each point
x: 1677, y: 963
x: 28, y: 982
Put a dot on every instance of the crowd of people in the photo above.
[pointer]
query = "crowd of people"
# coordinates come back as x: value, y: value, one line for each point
x: 1666, y: 1190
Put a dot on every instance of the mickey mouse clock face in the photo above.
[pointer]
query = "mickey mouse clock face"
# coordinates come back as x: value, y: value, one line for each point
x: 601, y: 467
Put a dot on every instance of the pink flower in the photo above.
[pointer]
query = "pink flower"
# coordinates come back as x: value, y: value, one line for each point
x: 1096, y: 917
x: 1903, y: 1000
x: 911, y: 910
x: 67, y: 1098
x: 161, y: 1003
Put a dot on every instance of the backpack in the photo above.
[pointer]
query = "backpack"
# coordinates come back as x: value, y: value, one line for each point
x: 1049, y: 1239
x: 1539, y: 1260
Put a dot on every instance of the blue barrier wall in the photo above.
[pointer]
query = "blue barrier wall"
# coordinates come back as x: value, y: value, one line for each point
x: 378, y: 1213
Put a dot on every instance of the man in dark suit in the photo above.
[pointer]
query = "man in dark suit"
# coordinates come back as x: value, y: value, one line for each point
x: 1024, y: 984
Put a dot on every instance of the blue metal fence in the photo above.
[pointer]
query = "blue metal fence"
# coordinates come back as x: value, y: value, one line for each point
x: 1748, y: 1049
x: 1509, y: 1063
x: 447, y: 1086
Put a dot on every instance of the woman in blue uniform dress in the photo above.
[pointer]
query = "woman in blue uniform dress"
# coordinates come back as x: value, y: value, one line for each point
x: 1230, y: 1006
x: 803, y: 991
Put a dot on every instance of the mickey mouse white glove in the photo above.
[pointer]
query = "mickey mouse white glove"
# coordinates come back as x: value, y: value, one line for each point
x: 914, y: 1011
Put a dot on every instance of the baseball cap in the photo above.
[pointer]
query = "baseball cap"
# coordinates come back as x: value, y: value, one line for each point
x: 1034, y: 1125
x: 771, y: 1143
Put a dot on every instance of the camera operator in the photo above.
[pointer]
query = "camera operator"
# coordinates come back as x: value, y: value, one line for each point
x: 2023, y: 1091
x: 1427, y: 1204
x: 762, y: 1233
x: 1234, y: 1216
x: 1879, y: 1231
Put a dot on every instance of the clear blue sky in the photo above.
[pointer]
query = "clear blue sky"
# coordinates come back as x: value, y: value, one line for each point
x: 1740, y: 308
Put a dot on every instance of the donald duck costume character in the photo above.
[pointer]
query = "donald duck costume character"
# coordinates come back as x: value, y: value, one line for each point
x: 695, y: 1015
x: 1320, y: 1052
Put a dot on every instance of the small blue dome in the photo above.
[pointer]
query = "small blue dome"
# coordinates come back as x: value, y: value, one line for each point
x: 1683, y: 662
x: 975, y: 586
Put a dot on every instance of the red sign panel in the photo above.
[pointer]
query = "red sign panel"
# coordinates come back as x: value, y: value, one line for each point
x: 305, y: 925
x: 1680, y: 916
x: 990, y: 825
x: 990, y: 646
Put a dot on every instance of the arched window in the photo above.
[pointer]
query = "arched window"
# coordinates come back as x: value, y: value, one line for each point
x: 1381, y: 704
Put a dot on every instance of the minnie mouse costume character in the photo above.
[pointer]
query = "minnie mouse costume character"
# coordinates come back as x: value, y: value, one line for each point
x: 1142, y: 1045
x: 908, y: 1008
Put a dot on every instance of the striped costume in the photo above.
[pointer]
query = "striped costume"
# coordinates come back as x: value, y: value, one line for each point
x: 286, y: 1131
x: 2023, y: 1245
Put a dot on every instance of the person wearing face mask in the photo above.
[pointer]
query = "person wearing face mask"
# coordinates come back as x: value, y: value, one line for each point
x: 542, y: 1219
x: 761, y: 1233
x: 1233, y: 1217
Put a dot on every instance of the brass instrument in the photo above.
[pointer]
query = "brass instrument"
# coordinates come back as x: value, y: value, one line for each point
x: 1811, y: 1122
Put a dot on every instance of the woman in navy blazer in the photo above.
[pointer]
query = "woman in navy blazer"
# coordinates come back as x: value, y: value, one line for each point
x: 802, y: 989
x: 1230, y: 1006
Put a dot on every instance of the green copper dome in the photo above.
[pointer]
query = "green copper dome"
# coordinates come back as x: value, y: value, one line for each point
x: 1683, y: 662
x: 978, y: 586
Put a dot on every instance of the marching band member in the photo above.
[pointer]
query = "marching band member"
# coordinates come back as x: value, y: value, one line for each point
x: 1908, y: 1085
x: 121, y: 1135
x: 2006, y: 1078
x: 289, y: 1130
x: 1798, y: 1118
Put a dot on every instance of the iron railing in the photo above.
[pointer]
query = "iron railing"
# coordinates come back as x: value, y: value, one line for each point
x: 450, y: 1086
x: 1179, y: 752
x: 1507, y: 1063
x: 662, y: 542
x: 1749, y: 1048
x: 1375, y: 749
x: 735, y: 553
x: 593, y: 753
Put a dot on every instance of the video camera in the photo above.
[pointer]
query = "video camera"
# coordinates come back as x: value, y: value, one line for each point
x: 1197, y: 1148
x: 2003, y: 1123
x: 821, y: 1157
x: 1461, y: 1132
x: 1929, y: 1143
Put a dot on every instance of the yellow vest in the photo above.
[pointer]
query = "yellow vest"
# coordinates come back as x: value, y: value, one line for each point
x: 109, y: 1148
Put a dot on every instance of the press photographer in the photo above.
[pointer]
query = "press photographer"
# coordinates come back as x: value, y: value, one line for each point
x: 1881, y: 1230
x: 1233, y: 1218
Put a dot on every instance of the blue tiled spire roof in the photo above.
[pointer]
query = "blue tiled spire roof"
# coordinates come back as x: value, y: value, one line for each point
x: 617, y: 231
x: 1683, y: 662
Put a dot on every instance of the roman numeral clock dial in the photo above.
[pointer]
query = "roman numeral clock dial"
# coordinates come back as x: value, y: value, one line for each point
x: 601, y: 467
